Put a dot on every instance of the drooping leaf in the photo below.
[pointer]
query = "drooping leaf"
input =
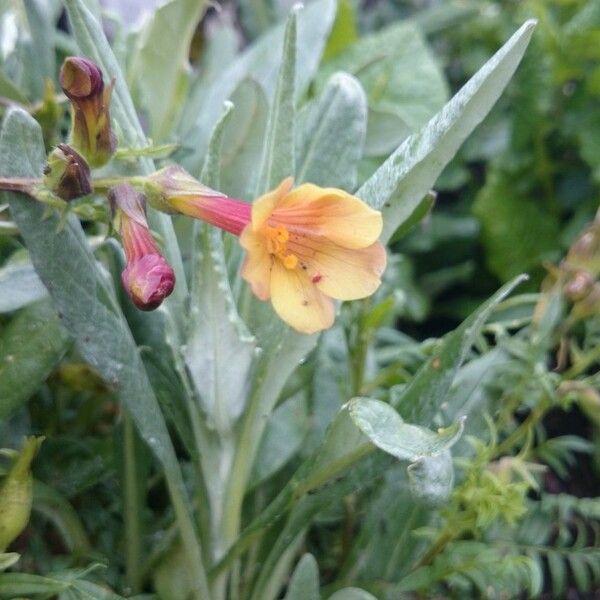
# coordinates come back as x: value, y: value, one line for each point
x: 400, y: 183
x: 386, y: 429
x: 331, y: 134
x: 431, y: 479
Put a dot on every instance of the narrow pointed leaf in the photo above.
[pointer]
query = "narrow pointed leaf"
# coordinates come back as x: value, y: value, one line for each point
x: 400, y: 183
x: 278, y: 153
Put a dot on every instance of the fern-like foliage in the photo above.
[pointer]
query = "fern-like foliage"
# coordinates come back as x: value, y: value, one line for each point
x: 555, y: 545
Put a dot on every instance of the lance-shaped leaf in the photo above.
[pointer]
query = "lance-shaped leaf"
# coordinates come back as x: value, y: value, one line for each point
x: 332, y: 133
x: 397, y: 187
x: 278, y: 154
x: 89, y: 310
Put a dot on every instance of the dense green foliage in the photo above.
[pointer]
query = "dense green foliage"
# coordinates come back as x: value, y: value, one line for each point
x: 441, y: 439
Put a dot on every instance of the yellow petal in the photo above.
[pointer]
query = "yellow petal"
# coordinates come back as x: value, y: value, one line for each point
x: 298, y: 302
x: 342, y: 273
x: 331, y: 213
x: 256, y: 269
x: 264, y: 206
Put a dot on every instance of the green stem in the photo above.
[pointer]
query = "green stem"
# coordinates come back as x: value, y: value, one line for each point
x: 187, y: 531
x: 438, y: 545
x: 105, y: 183
x: 132, y: 508
x: 533, y: 418
x: 582, y: 365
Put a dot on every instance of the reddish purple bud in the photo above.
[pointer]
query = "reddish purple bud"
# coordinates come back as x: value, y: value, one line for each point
x: 148, y: 281
x: 80, y: 78
x: 148, y: 278
x: 91, y: 133
x: 67, y: 174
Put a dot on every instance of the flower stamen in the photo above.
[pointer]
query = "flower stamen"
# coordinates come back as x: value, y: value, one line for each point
x: 277, y: 238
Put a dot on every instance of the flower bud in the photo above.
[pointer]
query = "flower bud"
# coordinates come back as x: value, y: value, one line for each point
x: 148, y: 278
x: 81, y: 81
x: 171, y: 189
x: 16, y: 494
x: 67, y: 174
x: 579, y: 285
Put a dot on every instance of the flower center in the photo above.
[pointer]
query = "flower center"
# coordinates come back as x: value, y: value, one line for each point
x: 277, y: 238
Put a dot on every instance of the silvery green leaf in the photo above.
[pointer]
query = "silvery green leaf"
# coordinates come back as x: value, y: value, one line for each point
x: 431, y: 479
x: 261, y: 63
x: 68, y: 269
x: 278, y: 160
x: 386, y: 429
x: 159, y: 61
x: 406, y: 176
x: 404, y: 85
x: 304, y: 584
x: 219, y: 349
x: 243, y: 138
x: 331, y: 134
x: 31, y: 346
x: 19, y: 286
x: 428, y: 390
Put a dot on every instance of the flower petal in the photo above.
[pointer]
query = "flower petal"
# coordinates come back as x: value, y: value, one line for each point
x: 342, y: 273
x: 298, y: 302
x: 331, y: 213
x: 256, y: 269
x: 264, y: 206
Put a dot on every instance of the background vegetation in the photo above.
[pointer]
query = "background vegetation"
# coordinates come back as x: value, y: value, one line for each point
x: 513, y: 510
